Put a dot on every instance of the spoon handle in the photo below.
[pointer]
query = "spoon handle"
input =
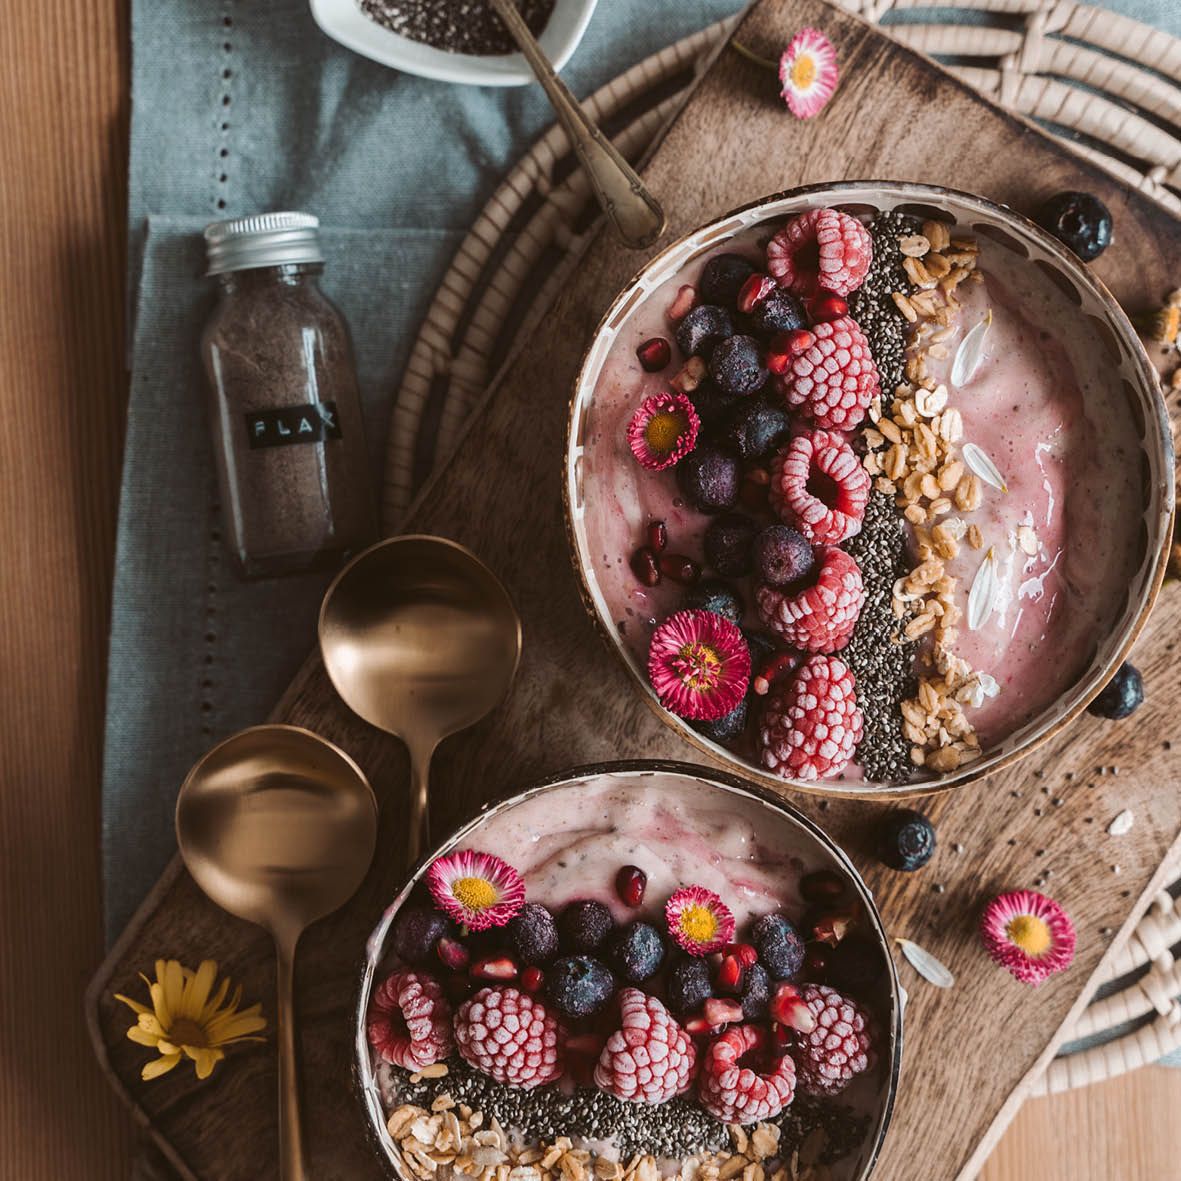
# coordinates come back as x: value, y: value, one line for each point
x: 420, y: 798
x: 291, y: 1161
x: 635, y: 213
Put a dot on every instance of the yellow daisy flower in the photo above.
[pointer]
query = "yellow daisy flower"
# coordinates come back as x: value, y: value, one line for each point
x: 186, y: 1021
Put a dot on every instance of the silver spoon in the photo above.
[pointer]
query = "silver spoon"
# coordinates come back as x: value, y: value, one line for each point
x: 632, y: 210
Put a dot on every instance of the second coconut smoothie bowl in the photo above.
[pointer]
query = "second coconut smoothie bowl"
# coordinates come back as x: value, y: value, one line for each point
x: 603, y: 978
x: 870, y: 487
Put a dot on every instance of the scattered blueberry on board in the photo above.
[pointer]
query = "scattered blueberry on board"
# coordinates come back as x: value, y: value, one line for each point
x: 1078, y: 220
x: 907, y: 840
x: 1121, y: 696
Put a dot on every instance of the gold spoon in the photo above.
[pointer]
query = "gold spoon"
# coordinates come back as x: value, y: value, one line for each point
x: 278, y: 827
x: 635, y: 213
x: 421, y: 640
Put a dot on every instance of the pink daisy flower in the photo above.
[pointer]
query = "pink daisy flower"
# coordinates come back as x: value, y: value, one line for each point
x: 1029, y: 934
x: 476, y: 889
x: 699, y: 920
x: 808, y: 73
x: 663, y: 430
x: 699, y: 665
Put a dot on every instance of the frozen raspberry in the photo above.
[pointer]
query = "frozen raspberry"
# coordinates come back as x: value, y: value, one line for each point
x: 811, y: 728
x: 822, y: 616
x: 410, y: 1021
x: 741, y: 1082
x: 819, y: 486
x: 834, y: 379
x: 838, y: 1048
x: 649, y: 1058
x: 511, y: 1037
x: 821, y: 250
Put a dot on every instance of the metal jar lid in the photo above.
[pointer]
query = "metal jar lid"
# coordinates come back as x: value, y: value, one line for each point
x: 264, y: 240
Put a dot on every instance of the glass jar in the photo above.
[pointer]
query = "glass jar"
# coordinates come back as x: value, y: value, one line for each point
x: 288, y: 436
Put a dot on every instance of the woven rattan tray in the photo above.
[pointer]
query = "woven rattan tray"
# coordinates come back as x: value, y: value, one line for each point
x: 1108, y: 86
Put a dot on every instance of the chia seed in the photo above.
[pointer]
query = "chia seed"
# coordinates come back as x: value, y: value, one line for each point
x: 871, y: 306
x: 883, y: 668
x: 676, y: 1129
x: 457, y: 26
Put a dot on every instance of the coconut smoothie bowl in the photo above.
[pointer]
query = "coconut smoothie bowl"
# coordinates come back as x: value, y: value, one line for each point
x: 869, y: 485
x: 633, y: 971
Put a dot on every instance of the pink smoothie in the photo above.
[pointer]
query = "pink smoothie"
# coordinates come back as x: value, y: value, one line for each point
x: 1045, y: 404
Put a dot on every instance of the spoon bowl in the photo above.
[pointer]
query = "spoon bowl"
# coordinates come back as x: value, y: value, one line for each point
x: 278, y: 827
x: 421, y: 640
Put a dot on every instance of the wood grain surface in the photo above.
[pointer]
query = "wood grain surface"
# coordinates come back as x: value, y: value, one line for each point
x: 895, y: 116
x: 63, y: 98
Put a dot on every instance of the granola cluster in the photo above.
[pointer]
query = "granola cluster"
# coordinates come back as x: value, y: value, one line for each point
x: 450, y: 1138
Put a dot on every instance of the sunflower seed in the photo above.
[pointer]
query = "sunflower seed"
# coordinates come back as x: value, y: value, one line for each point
x: 970, y: 353
x: 981, y: 465
x: 925, y: 964
x: 1121, y: 824
x: 983, y: 595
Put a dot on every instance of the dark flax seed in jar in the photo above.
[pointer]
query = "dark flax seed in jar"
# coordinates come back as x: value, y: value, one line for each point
x: 288, y: 436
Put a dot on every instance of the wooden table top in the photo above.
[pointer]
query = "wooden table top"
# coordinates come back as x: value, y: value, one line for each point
x: 63, y: 95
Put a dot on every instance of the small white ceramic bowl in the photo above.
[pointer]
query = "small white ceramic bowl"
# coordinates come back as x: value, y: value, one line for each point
x: 344, y: 21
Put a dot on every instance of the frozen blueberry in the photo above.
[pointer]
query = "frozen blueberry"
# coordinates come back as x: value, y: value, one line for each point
x: 1079, y: 221
x: 1121, y: 696
x: 782, y: 556
x: 709, y: 479
x: 728, y: 540
x: 756, y: 993
x: 635, y: 951
x: 780, y: 947
x: 716, y: 596
x: 854, y: 964
x: 702, y: 328
x: 754, y: 428
x: 727, y: 728
x: 534, y: 934
x: 579, y: 985
x: 906, y: 840
x: 779, y: 312
x: 736, y: 365
x: 689, y: 985
x: 722, y: 278
x: 416, y: 931
x: 583, y: 925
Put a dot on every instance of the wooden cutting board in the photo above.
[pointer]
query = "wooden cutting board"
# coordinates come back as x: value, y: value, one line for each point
x: 970, y: 1051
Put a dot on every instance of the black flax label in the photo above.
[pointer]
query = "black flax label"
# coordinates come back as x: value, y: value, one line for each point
x: 313, y: 423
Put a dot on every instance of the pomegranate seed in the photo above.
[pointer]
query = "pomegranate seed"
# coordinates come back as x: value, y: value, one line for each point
x: 782, y: 1039
x: 815, y: 963
x: 657, y: 536
x: 453, y: 954
x: 777, y: 666
x: 630, y: 883
x: 691, y: 375
x: 644, y: 567
x: 498, y: 967
x: 721, y: 1012
x: 682, y: 304
x: 698, y: 1027
x: 831, y: 928
x: 754, y: 291
x: 786, y: 345
x: 827, y: 306
x: 532, y: 979
x: 822, y: 886
x: 654, y: 354
x: 788, y: 1008
x: 730, y: 974
x: 679, y: 568
x: 747, y: 956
